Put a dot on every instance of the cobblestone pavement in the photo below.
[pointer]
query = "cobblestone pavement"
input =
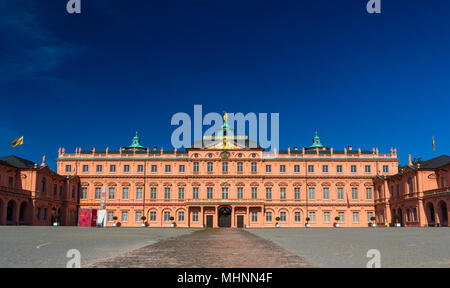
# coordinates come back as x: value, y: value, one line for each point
x: 210, y: 248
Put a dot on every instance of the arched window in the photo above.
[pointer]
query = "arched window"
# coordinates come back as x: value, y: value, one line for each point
x: 43, y: 182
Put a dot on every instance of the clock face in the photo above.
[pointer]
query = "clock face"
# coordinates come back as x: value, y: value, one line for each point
x: 225, y: 154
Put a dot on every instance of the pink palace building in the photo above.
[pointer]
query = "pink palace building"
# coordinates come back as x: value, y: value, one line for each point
x: 32, y: 194
x: 225, y: 184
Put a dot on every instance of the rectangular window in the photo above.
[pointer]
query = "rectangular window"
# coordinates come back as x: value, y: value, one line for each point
x: 60, y: 191
x: 224, y: 193
x: 166, y: 216
x: 126, y: 168
x: 209, y: 192
x: 195, y: 216
x: 297, y: 193
x: 98, y: 192
x: 312, y: 193
x: 140, y: 168
x: 268, y: 216
x: 112, y: 168
x: 353, y: 168
x: 369, y: 216
x: 195, y: 168
x: 340, y: 193
x: 268, y: 168
x: 195, y: 193
x: 312, y: 217
x: 181, y: 216
x: 254, y: 167
x: 269, y: 193
x: 254, y: 193
x: 111, y: 193
x: 39, y: 213
x: 282, y: 168
x: 367, y: 169
x: 85, y: 168
x: 341, y: 217
x: 385, y: 168
x: 45, y: 213
x: 225, y: 167
x: 355, y: 217
x: 110, y: 216
x: 240, y: 192
x: 99, y: 168
x: 325, y: 168
x: 239, y: 167
x: 339, y: 168
x: 83, y: 193
x: 296, y: 168
x: 369, y: 193
x: 297, y: 217
x: 125, y: 193
x: 139, y: 193
x: 282, y: 193
x: 55, y: 189
x: 168, y: 168
x: 68, y: 168
x: 153, y: 193
x: 181, y: 168
x: 138, y: 216
x: 311, y: 168
x: 354, y: 193
x: 326, y: 193
x: 326, y: 217
x: 152, y: 216
x: 254, y: 216
x: 282, y: 216
x: 124, y: 216
x: 166, y: 193
x: 154, y: 168
x: 181, y: 193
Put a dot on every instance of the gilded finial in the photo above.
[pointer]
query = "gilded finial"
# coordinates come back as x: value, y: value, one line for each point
x: 225, y: 116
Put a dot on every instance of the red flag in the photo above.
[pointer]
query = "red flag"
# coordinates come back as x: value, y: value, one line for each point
x: 348, y: 201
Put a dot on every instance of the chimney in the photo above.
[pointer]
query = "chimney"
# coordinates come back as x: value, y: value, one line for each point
x: 409, y: 159
x: 289, y: 150
x: 331, y: 150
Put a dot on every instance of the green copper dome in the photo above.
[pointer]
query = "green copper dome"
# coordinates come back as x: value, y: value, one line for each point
x: 136, y: 142
x: 316, y: 142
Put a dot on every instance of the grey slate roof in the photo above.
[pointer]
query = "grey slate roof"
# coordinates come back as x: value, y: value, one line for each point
x: 17, y: 162
x: 435, y: 162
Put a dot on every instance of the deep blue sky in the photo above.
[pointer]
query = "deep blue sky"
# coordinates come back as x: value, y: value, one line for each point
x: 92, y: 80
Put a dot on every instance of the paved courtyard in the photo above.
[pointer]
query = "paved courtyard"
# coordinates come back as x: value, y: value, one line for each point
x: 25, y: 246
x: 347, y: 247
x: 210, y: 248
x: 46, y: 246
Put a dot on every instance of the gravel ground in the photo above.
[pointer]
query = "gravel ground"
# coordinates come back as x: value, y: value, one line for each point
x: 46, y: 246
x: 347, y: 247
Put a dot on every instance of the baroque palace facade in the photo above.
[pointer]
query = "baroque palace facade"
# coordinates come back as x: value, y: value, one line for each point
x: 32, y: 194
x: 226, y: 184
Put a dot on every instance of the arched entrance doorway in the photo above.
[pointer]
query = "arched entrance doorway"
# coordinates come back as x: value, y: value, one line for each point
x: 1, y: 212
x: 23, y: 213
x: 224, y: 217
x: 430, y: 215
x: 11, y: 213
x: 443, y: 214
x: 400, y: 215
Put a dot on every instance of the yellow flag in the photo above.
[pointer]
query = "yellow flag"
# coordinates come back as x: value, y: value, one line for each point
x: 17, y: 142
